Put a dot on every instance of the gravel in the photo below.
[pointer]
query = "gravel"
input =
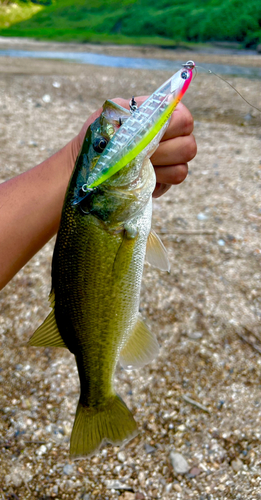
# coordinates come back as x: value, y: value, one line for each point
x: 206, y: 312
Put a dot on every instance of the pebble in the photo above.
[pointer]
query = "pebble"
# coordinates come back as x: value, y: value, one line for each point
x: 177, y: 487
x: 221, y: 242
x: 68, y: 469
x: 70, y: 484
x: 67, y: 430
x: 121, y: 456
x: 87, y: 496
x: 149, y: 449
x: 230, y: 237
x: 18, y: 476
x: 169, y: 487
x: 141, y: 477
x: 237, y: 464
x: 128, y: 496
x: 42, y: 450
x: 195, y: 471
x: 202, y: 216
x: 195, y: 335
x: 112, y: 484
x: 56, y: 85
x: 46, y: 98
x: 179, y: 463
x: 32, y: 144
x: 14, y: 479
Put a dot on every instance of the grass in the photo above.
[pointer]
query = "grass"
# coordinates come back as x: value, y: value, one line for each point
x: 161, y: 22
x: 13, y: 13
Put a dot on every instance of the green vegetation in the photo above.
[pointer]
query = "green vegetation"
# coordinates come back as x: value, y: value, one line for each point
x: 129, y: 21
x: 12, y: 13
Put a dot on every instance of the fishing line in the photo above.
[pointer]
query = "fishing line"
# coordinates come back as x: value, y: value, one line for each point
x: 223, y: 79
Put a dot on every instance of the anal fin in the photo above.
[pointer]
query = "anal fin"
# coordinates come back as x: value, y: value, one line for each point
x: 141, y: 347
x: 47, y: 334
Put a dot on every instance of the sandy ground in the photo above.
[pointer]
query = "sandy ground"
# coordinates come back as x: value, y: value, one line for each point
x: 206, y: 312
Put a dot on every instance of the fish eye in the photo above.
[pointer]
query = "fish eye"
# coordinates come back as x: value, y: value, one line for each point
x: 100, y: 144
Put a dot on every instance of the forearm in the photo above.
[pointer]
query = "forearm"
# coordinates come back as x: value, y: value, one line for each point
x: 30, y: 206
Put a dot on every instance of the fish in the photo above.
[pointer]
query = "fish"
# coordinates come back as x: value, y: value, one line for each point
x: 104, y: 236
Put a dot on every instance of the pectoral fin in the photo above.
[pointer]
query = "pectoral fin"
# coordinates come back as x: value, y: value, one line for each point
x: 140, y: 348
x: 47, y: 334
x: 156, y: 253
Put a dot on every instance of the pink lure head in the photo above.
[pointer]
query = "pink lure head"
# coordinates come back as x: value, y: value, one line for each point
x: 187, y: 75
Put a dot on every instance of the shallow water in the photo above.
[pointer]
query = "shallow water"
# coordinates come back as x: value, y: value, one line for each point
x: 129, y: 62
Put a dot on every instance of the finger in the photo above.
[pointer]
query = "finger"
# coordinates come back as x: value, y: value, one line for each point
x: 181, y: 123
x: 174, y: 174
x: 160, y: 189
x: 175, y: 151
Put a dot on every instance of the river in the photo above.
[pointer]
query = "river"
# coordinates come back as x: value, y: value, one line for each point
x: 130, y: 62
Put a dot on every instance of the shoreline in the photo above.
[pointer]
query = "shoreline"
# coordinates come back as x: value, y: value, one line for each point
x: 205, y: 54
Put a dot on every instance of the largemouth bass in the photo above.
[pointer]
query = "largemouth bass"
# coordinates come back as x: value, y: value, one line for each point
x: 96, y: 277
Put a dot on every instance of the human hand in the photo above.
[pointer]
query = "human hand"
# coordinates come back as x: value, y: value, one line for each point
x: 176, y: 149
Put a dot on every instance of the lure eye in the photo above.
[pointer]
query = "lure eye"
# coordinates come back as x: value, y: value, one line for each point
x: 184, y: 75
x: 100, y: 144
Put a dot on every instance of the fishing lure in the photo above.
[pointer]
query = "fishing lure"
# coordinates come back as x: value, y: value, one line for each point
x: 137, y: 132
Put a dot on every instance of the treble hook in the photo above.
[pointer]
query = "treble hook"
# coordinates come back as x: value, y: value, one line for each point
x: 133, y: 105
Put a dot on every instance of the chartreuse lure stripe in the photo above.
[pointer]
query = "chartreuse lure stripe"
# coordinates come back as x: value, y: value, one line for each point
x: 140, y: 128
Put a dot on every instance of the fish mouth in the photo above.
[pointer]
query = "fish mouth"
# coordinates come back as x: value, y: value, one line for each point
x: 85, y: 191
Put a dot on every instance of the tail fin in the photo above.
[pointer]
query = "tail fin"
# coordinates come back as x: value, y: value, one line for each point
x: 112, y: 422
